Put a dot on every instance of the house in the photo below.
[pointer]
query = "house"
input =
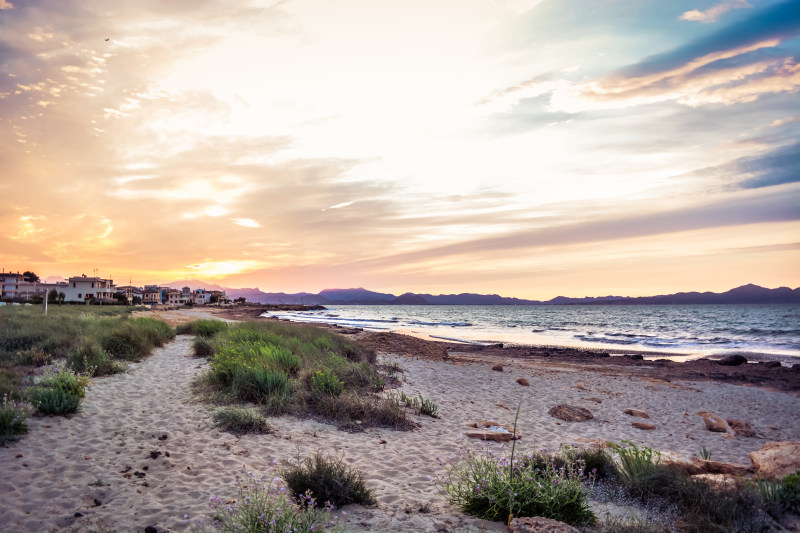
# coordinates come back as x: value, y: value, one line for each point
x: 200, y: 297
x: 84, y: 289
x: 9, y: 284
x: 176, y: 297
x: 151, y: 296
x: 128, y: 291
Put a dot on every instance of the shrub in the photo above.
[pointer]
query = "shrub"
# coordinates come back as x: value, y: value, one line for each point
x: 135, y: 337
x: 89, y: 359
x: 239, y: 420
x: 34, y: 357
x: 790, y: 492
x: 327, y: 479
x: 54, y: 401
x: 597, y: 462
x: 636, y: 466
x: 493, y: 487
x: 12, y: 421
x: 203, y: 347
x: 254, y: 384
x: 326, y: 383
x: 66, y: 380
x: 261, y: 504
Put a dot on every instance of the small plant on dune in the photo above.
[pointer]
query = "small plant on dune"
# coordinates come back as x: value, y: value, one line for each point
x: 240, y: 420
x: 636, y: 465
x: 34, y: 357
x: 705, y: 454
x: 90, y: 360
x: 54, y: 401
x: 209, y: 328
x: 778, y: 495
x: 262, y: 504
x: 493, y: 487
x: 66, y: 380
x: 328, y: 479
x: 427, y: 407
x: 13, y: 422
x: 327, y: 383
x: 203, y: 347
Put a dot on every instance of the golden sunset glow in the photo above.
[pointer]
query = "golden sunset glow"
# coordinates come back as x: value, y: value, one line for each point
x: 527, y: 148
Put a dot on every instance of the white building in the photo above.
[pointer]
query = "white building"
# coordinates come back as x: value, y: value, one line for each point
x: 82, y: 289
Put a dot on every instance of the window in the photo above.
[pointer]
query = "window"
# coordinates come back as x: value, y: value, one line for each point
x: 79, y: 295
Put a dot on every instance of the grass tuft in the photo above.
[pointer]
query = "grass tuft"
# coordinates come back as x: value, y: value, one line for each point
x: 328, y: 479
x: 13, y: 421
x: 240, y: 420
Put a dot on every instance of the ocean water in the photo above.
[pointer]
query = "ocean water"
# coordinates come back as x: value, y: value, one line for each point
x: 682, y: 331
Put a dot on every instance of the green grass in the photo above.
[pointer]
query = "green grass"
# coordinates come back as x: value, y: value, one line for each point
x: 92, y: 340
x: 327, y: 479
x: 202, y: 328
x: 298, y: 370
x: 492, y: 487
x: 240, y: 420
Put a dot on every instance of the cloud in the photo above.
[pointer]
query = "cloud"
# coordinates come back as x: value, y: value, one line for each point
x: 5, y: 4
x: 714, y: 12
x: 736, y: 64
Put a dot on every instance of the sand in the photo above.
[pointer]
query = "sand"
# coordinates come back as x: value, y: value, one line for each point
x: 65, y: 466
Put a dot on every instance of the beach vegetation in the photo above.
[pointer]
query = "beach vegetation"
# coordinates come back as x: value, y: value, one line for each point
x: 493, y: 486
x: 54, y: 401
x: 778, y: 495
x: 702, y: 507
x: 705, y: 454
x: 262, y: 503
x: 202, y: 347
x: 241, y: 420
x: 13, y: 420
x: 327, y: 479
x: 298, y: 370
x: 419, y: 404
x: 202, y: 328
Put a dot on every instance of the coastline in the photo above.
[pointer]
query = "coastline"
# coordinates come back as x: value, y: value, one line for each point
x: 69, y: 473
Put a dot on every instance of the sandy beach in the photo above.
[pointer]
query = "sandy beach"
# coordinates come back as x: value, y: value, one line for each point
x: 144, y: 452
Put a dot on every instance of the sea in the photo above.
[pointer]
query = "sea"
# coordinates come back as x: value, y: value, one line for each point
x: 678, y: 332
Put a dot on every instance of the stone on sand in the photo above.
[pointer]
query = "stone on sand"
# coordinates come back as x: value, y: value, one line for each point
x: 714, y: 423
x: 637, y: 413
x: 776, y: 459
x: 539, y: 524
x: 570, y: 413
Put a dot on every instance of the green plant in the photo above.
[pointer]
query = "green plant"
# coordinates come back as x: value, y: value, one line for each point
x: 255, y: 384
x: 89, y: 359
x: 494, y: 487
x: 240, y: 420
x: 327, y: 383
x: 34, y: 357
x: 209, y: 328
x: 54, y: 401
x: 790, y: 492
x: 427, y: 407
x: 635, y: 465
x: 203, y: 347
x: 66, y: 380
x: 327, y: 479
x: 262, y: 505
x: 705, y: 454
x: 12, y: 420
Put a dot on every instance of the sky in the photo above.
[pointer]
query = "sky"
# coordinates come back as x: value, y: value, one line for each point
x: 528, y: 148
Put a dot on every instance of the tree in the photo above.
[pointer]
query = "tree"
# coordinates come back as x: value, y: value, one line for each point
x: 30, y: 277
x: 52, y: 296
x: 240, y: 300
x: 61, y: 297
x: 214, y: 299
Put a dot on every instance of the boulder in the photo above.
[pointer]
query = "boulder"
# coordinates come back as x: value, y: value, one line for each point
x: 769, y: 364
x: 714, y: 423
x: 692, y: 466
x: 720, y: 481
x: 637, y: 413
x: 740, y: 427
x: 594, y: 399
x: 524, y: 382
x: 497, y: 367
x: 732, y: 360
x: 776, y: 459
x: 570, y: 413
x: 643, y: 425
x: 539, y: 524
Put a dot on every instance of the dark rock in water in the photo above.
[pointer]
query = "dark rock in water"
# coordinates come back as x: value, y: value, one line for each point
x: 732, y: 360
x: 570, y: 413
x: 635, y: 356
x: 78, y: 515
x: 602, y: 354
x: 150, y: 529
x: 769, y: 364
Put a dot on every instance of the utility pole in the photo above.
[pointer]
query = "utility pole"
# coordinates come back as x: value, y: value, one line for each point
x: 44, y: 303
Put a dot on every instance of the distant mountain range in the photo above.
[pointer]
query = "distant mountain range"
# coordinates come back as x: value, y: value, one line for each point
x: 746, y: 294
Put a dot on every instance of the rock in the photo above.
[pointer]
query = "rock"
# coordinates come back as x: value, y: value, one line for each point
x: 769, y: 364
x: 539, y: 524
x: 776, y: 459
x: 643, y: 425
x: 732, y: 360
x: 494, y: 431
x: 720, y: 481
x: 714, y: 423
x: 150, y: 529
x: 97, y: 503
x: 524, y: 382
x: 693, y: 466
x: 595, y: 400
x: 580, y: 386
x: 154, y: 454
x: 497, y: 367
x: 725, y: 469
x: 78, y: 514
x: 635, y: 356
x: 570, y: 413
x: 163, y: 437
x: 740, y: 427
x: 637, y: 413
x: 592, y: 443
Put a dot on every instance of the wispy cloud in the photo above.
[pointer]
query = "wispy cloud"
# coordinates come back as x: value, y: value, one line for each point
x: 714, y: 12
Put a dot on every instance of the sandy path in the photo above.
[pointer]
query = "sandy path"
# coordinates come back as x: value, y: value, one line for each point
x: 126, y: 417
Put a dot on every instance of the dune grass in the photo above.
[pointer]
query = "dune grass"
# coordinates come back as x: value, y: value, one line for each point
x: 299, y: 370
x: 85, y: 341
